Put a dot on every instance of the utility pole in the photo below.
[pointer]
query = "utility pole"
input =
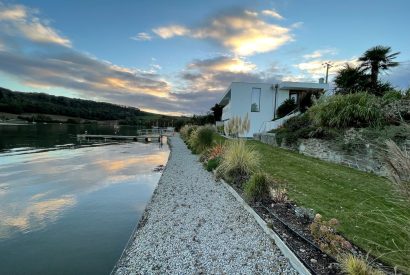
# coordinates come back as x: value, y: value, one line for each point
x: 327, y: 65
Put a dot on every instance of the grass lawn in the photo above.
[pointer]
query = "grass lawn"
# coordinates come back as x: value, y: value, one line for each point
x: 370, y: 215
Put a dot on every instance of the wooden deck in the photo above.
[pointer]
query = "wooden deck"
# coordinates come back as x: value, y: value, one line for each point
x: 148, y: 137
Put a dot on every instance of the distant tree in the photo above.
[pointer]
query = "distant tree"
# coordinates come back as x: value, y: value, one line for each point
x: 217, y: 111
x: 376, y: 59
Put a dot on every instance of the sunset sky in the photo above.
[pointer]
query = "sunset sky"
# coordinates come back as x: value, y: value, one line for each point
x: 178, y: 57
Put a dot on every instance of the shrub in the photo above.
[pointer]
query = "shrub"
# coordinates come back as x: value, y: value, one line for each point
x: 257, y: 188
x: 279, y: 194
x: 351, y: 110
x: 392, y: 96
x: 286, y: 107
x: 294, y: 128
x: 186, y: 131
x: 203, y: 138
x: 325, y: 235
x: 238, y: 161
x: 354, y: 265
x: 397, y: 162
x: 212, y: 164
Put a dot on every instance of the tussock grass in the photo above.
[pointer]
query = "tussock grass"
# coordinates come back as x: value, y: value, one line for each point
x: 398, y: 164
x: 351, y: 110
x: 238, y: 161
x: 354, y: 265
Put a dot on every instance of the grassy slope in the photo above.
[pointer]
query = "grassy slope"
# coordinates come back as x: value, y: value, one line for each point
x: 371, y: 217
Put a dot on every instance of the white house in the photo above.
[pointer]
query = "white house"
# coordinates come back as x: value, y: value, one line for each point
x: 261, y: 100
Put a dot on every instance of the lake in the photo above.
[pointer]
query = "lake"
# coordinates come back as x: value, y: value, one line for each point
x: 70, y: 210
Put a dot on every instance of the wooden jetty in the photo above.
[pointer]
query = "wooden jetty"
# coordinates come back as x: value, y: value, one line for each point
x: 145, y: 135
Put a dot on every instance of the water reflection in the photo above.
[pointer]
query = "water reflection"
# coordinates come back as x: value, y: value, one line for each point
x: 96, y: 191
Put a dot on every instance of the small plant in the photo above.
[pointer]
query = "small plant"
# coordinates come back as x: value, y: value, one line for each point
x: 279, y: 195
x: 238, y: 161
x: 257, y: 188
x: 354, y: 265
x: 212, y: 164
x: 398, y: 166
x: 325, y: 234
x: 305, y: 214
x: 286, y: 107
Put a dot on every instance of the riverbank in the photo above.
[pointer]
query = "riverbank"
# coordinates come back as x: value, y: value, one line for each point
x: 194, y: 225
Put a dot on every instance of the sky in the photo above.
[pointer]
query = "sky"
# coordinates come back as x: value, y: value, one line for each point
x: 179, y: 57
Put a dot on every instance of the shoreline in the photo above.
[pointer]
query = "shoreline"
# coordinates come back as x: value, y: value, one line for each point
x: 193, y: 224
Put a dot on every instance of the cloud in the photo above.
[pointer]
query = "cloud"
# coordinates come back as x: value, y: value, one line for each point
x: 315, y: 69
x: 241, y: 33
x: 171, y: 31
x: 142, y: 36
x: 320, y: 53
x: 272, y: 13
x: 22, y: 21
x: 205, y: 80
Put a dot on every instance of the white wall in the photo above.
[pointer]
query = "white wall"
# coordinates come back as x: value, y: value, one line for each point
x: 241, y: 98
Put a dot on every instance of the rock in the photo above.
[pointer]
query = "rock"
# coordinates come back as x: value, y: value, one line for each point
x: 313, y: 261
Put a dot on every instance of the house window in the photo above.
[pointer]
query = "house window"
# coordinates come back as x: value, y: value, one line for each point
x: 256, y: 99
x: 294, y: 95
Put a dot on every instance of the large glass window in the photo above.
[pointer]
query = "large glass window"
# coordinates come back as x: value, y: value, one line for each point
x: 256, y: 100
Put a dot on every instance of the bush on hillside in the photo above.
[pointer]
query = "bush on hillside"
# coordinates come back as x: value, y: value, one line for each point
x: 286, y: 107
x: 391, y: 96
x: 238, y: 162
x: 258, y: 186
x: 293, y: 129
x: 351, y: 110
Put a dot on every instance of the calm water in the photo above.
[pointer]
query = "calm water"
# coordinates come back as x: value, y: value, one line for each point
x: 70, y: 211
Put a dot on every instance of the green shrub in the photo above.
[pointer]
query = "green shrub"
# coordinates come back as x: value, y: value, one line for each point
x: 391, y: 96
x: 212, y: 164
x: 238, y: 161
x: 293, y: 129
x: 286, y: 107
x: 205, y: 137
x: 351, y: 110
x: 258, y: 186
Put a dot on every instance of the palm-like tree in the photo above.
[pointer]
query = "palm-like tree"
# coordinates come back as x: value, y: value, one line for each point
x: 351, y: 79
x: 376, y: 59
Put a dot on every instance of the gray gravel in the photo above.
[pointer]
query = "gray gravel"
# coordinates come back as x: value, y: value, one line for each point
x: 193, y: 225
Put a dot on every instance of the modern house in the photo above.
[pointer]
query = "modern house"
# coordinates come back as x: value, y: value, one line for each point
x: 261, y: 100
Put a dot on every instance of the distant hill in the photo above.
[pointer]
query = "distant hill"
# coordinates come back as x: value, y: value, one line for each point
x: 41, y: 103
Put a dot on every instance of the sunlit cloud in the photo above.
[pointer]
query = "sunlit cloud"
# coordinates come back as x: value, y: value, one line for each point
x: 320, y: 53
x: 22, y: 21
x: 171, y: 31
x: 316, y: 68
x: 242, y: 33
x: 142, y: 36
x: 272, y: 13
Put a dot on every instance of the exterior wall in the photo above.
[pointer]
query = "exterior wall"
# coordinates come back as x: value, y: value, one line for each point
x: 240, y: 104
x: 241, y: 94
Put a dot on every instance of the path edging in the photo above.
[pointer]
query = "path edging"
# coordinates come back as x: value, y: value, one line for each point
x: 286, y: 251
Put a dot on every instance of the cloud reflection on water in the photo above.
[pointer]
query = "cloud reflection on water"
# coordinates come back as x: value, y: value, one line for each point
x: 38, y: 189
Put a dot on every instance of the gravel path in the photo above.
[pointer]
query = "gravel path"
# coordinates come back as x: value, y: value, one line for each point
x: 193, y: 225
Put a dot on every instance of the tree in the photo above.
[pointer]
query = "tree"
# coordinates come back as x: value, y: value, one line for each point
x: 217, y: 110
x: 376, y: 59
x: 351, y: 79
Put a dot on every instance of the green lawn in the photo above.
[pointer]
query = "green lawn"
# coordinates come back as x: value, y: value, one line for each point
x: 370, y: 215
